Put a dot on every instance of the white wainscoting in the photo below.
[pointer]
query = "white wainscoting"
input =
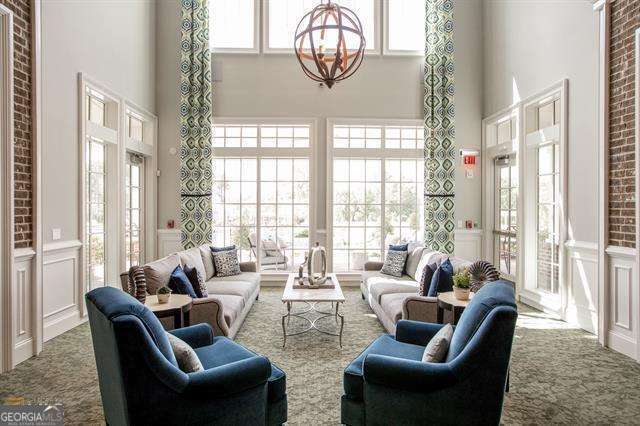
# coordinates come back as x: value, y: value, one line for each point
x: 168, y: 242
x: 468, y: 243
x: 582, y: 276
x: 624, y: 312
x: 23, y: 309
x: 63, y: 295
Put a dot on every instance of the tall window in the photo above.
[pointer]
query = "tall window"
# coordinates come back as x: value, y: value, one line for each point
x: 376, y: 174
x: 405, y: 28
x: 95, y: 211
x: 134, y: 218
x: 261, y: 192
x: 283, y: 17
x: 506, y: 221
x: 548, y: 201
x: 233, y: 25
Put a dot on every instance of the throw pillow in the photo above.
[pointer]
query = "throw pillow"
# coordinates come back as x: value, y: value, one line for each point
x: 442, y: 279
x: 226, y: 263
x: 399, y: 247
x: 180, y: 284
x: 427, y: 276
x: 187, y: 359
x: 158, y: 272
x: 207, y: 261
x: 394, y: 263
x: 227, y: 248
x: 197, y: 281
x: 438, y: 346
x: 137, y: 283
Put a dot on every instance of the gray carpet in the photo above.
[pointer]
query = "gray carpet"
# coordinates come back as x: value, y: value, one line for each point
x: 559, y: 375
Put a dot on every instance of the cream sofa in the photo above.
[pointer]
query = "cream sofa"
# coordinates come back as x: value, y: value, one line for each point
x: 230, y: 298
x: 393, y: 299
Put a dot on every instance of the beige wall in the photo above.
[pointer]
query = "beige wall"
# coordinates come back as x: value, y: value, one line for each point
x: 529, y: 45
x: 274, y: 86
x: 113, y: 43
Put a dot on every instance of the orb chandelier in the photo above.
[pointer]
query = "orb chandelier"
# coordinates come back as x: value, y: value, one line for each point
x: 329, y: 43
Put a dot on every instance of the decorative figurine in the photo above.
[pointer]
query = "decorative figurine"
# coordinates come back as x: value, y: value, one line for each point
x: 314, y: 277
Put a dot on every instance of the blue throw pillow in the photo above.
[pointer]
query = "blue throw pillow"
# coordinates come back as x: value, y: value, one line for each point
x: 427, y: 276
x: 442, y: 279
x: 399, y: 247
x: 180, y: 284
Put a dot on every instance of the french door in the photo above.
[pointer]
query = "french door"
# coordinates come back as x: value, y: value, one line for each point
x: 505, y: 254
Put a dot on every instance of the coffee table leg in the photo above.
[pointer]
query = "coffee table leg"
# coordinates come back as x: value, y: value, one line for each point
x: 287, y: 316
x: 338, y: 314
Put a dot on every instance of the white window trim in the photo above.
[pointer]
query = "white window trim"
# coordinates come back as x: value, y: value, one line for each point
x: 309, y: 153
x: 255, y: 50
x: 148, y: 148
x: 386, y: 51
x: 418, y: 153
x: 376, y: 51
x: 530, y: 139
x: 114, y: 191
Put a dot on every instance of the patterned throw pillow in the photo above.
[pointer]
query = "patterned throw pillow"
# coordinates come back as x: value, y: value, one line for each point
x: 394, y: 263
x: 438, y: 346
x: 137, y: 283
x: 226, y: 263
x: 187, y: 359
x: 197, y: 281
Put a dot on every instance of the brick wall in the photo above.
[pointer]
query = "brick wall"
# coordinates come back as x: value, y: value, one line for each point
x: 625, y: 18
x: 22, y: 119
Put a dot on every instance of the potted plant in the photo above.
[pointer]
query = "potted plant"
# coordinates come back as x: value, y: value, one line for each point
x: 461, y: 284
x: 163, y: 293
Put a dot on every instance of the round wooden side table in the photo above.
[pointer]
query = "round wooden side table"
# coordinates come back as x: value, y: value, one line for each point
x: 446, y: 301
x: 178, y: 307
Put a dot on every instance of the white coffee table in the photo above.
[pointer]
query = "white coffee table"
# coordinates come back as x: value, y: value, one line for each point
x: 312, y: 297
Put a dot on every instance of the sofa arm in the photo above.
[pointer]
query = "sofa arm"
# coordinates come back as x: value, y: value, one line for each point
x: 407, y: 375
x: 415, y: 332
x: 420, y: 308
x: 373, y: 265
x: 210, y: 311
x: 230, y: 379
x: 196, y: 336
x: 248, y: 266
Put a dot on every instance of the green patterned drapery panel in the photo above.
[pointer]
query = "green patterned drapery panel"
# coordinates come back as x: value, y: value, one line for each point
x: 195, y: 125
x: 439, y: 145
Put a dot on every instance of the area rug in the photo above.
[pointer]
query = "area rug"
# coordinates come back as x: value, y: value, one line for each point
x: 559, y: 375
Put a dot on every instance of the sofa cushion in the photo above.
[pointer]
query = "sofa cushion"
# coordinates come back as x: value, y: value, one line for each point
x: 490, y: 296
x: 413, y: 259
x: 158, y: 272
x: 207, y: 261
x: 235, y: 287
x: 250, y: 277
x: 232, y: 306
x: 383, y: 345
x: 224, y: 351
x: 392, y: 304
x: 371, y: 277
x: 192, y: 257
x: 377, y: 290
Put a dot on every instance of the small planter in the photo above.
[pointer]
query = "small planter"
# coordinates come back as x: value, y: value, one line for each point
x: 164, y: 294
x: 461, y: 293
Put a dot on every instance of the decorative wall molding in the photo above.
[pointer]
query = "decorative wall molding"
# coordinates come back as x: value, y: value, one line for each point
x: 169, y: 241
x: 63, y: 294
x: 582, y: 278
x: 468, y: 243
x: 24, y: 310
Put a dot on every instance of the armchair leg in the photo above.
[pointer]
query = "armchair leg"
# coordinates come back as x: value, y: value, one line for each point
x: 506, y: 389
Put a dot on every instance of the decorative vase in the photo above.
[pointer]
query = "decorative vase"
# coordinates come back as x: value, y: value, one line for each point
x: 317, y: 278
x: 461, y: 293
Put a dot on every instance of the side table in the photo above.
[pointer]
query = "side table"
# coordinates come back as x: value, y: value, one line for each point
x: 178, y: 307
x: 446, y: 301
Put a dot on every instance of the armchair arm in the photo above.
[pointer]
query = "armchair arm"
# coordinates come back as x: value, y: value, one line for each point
x: 408, y: 375
x: 420, y: 308
x: 231, y: 378
x: 416, y: 333
x: 196, y: 336
x: 210, y: 311
x: 248, y: 266
x: 373, y: 265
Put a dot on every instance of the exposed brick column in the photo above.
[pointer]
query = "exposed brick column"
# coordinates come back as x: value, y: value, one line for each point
x: 625, y: 18
x: 22, y: 120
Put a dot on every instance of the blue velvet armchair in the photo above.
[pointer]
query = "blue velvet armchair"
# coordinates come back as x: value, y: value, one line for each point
x: 141, y: 383
x: 389, y: 384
